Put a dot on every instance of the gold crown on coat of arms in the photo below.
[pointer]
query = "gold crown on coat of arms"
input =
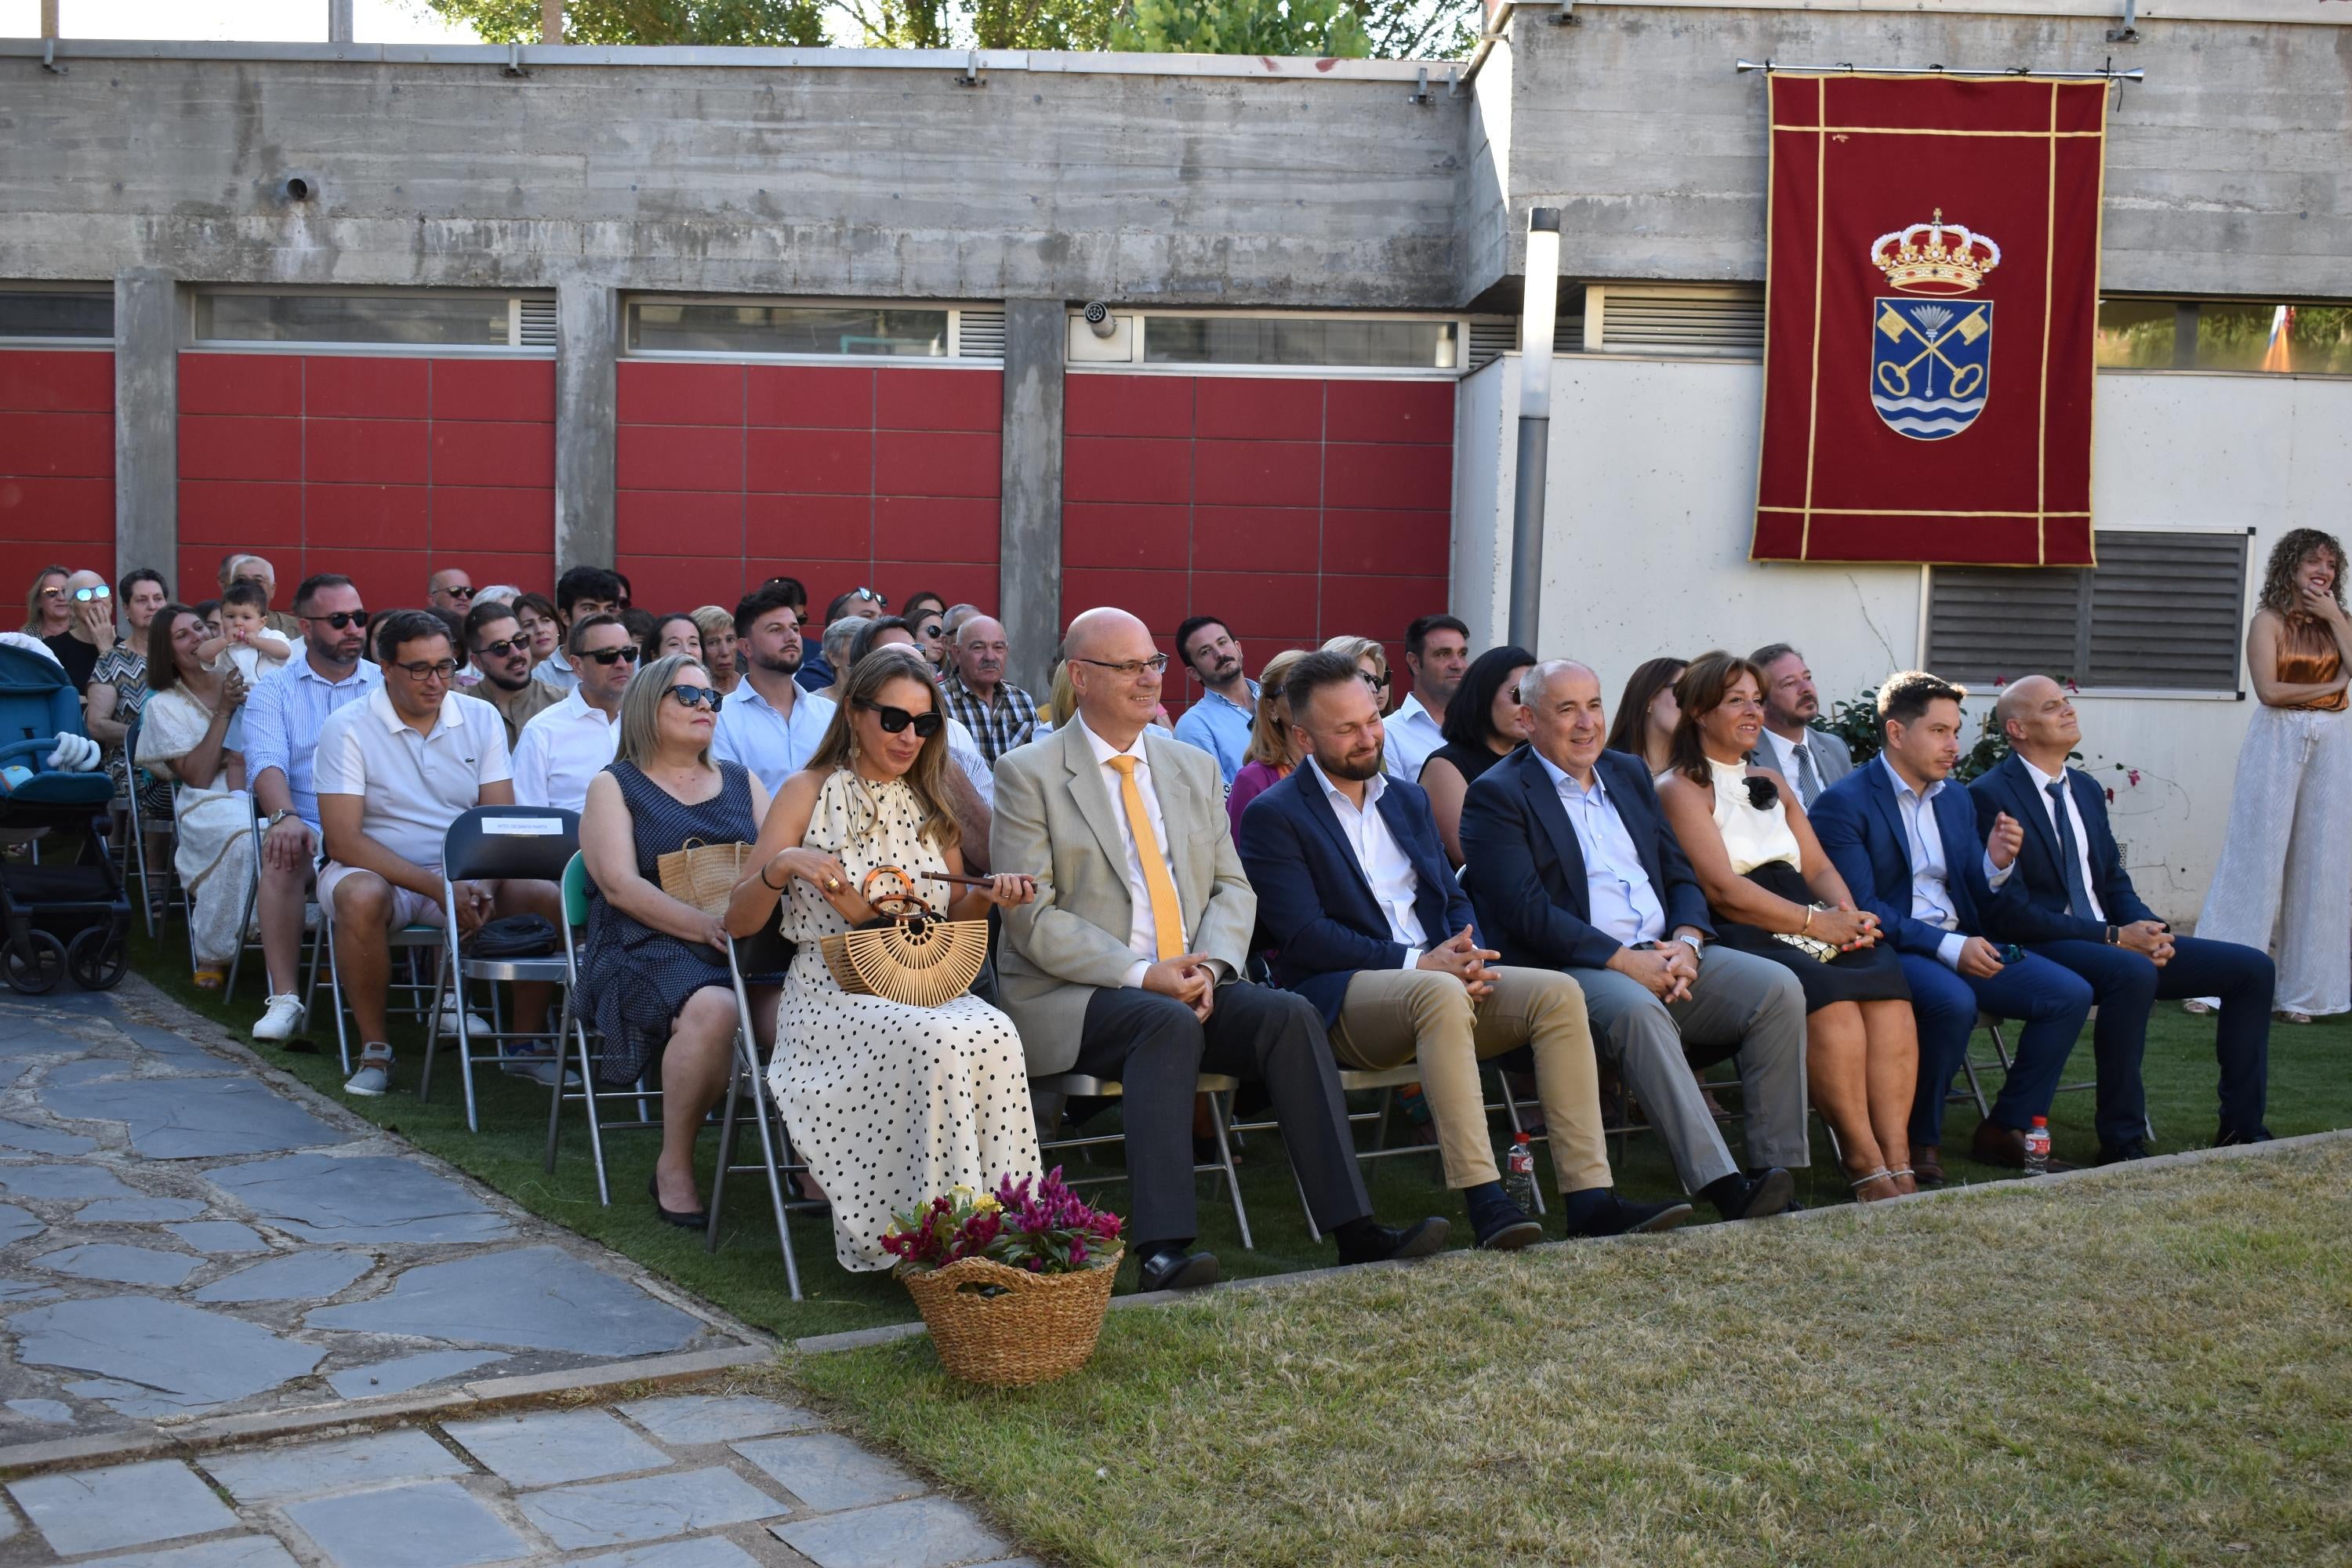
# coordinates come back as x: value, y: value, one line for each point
x: 1935, y: 257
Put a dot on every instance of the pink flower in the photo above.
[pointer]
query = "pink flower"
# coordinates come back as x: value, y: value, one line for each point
x: 2133, y: 774
x: 2111, y: 797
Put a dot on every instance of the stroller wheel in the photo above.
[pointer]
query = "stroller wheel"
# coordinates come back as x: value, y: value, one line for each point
x: 33, y: 964
x: 97, y: 959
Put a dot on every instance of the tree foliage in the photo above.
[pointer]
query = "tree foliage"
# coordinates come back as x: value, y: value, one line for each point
x: 739, y: 22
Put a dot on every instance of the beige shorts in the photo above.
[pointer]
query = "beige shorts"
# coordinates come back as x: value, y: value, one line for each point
x: 408, y: 908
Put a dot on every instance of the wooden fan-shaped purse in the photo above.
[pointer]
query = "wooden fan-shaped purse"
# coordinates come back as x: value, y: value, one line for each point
x: 912, y: 953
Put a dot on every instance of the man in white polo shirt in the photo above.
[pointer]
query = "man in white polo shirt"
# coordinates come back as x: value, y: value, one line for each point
x: 393, y: 771
x: 564, y: 747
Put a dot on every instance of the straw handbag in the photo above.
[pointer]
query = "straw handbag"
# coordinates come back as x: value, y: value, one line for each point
x: 703, y: 874
x: 911, y: 954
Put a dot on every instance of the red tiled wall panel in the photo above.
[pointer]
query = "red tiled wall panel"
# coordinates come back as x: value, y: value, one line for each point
x: 383, y: 467
x: 57, y: 466
x: 1300, y: 510
x: 884, y: 476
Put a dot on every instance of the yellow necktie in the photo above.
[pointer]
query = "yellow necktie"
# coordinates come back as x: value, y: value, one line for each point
x: 1166, y: 917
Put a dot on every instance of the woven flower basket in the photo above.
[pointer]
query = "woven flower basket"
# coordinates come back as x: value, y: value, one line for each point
x: 1041, y: 1327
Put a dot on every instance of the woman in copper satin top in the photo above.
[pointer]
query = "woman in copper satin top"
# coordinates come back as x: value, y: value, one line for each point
x: 2286, y: 865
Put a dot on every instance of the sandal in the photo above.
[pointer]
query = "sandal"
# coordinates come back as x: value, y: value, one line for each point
x: 2195, y: 1008
x: 211, y: 976
x: 1880, y: 1175
x: 1906, y: 1182
x: 2289, y: 1017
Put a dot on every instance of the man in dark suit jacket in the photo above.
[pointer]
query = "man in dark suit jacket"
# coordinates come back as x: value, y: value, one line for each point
x: 1810, y: 759
x: 1906, y: 843
x: 1571, y: 867
x: 1369, y: 924
x: 2080, y: 910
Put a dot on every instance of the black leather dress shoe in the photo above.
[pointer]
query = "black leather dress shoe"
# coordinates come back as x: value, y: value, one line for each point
x: 685, y: 1219
x: 1509, y: 1230
x: 1386, y: 1242
x: 1176, y: 1269
x: 2232, y: 1137
x: 1767, y: 1193
x: 1619, y: 1217
x: 2131, y: 1148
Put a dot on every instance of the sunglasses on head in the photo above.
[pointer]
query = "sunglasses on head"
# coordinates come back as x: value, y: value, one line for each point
x: 611, y: 655
x: 340, y: 619
x: 695, y: 696
x: 895, y: 720
x: 870, y: 593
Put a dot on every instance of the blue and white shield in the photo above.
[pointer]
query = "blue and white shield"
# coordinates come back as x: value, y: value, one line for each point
x: 1931, y: 364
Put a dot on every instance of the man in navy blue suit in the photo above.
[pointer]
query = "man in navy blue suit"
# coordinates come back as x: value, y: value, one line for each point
x: 2080, y: 910
x: 1369, y: 924
x: 1907, y: 842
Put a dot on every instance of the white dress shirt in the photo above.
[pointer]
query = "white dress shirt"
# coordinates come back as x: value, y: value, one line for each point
x: 563, y: 749
x: 1386, y: 868
x: 556, y: 670
x: 1783, y: 752
x: 771, y: 746
x: 2041, y: 782
x: 1623, y: 904
x: 1412, y: 734
x: 1142, y: 931
x: 412, y: 786
x: 1931, y: 891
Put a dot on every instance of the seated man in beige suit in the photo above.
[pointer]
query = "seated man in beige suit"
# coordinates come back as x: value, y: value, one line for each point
x: 1128, y: 965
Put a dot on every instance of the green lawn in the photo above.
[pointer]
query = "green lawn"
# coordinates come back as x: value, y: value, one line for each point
x: 2140, y: 1367
x: 2310, y: 1091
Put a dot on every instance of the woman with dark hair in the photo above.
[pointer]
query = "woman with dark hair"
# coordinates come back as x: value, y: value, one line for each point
x: 535, y: 614
x: 917, y: 606
x: 891, y: 1104
x: 676, y: 633
x: 2286, y: 863
x: 118, y: 686
x: 1483, y: 724
x: 182, y: 733
x: 1773, y: 892
x: 1644, y: 725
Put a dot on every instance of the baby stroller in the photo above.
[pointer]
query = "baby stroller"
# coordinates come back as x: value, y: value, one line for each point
x: 58, y: 918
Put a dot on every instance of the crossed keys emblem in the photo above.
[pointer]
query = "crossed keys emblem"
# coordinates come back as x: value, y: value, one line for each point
x: 1932, y: 327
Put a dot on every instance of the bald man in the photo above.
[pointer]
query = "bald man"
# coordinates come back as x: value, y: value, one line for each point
x: 998, y: 714
x: 1128, y: 965
x: 2080, y: 911
x: 91, y: 632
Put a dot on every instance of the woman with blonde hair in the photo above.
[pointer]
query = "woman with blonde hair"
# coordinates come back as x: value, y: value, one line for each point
x: 717, y: 627
x: 891, y: 1104
x: 2286, y: 861
x: 1371, y: 663
x: 48, y: 609
x: 1276, y: 745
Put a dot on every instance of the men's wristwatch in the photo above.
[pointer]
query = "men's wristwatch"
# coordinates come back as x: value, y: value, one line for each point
x: 2115, y: 936
x: 275, y: 817
x: 1696, y: 944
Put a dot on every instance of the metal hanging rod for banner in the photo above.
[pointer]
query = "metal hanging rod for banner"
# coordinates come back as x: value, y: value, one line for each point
x: 2108, y: 74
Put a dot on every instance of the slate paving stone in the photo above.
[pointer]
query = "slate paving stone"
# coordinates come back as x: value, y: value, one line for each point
x: 363, y: 1200
x: 924, y: 1533
x: 121, y: 1505
x: 63, y: 1182
x: 31, y: 1140
x: 219, y: 1235
x: 89, y: 1069
x: 238, y: 1552
x: 181, y: 1055
x: 828, y: 1472
x: 137, y: 1210
x: 56, y: 1411
x: 188, y: 1119
x: 27, y: 1291
x: 168, y: 1356
x: 306, y: 1470
x: 121, y: 1264
x: 431, y: 1524
x: 645, y: 1508
x: 686, y: 1418
x: 292, y: 1276
x: 702, y: 1551
x: 531, y: 1297
x: 400, y: 1376
x: 545, y: 1448
x: 16, y: 1225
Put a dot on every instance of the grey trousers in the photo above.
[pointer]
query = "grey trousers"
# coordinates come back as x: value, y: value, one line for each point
x: 1739, y: 1001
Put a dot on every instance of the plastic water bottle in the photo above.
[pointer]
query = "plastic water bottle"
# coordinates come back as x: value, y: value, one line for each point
x: 2037, y: 1147
x: 1520, y: 1173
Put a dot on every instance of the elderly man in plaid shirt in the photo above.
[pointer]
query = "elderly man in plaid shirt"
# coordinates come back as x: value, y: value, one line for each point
x: 998, y: 714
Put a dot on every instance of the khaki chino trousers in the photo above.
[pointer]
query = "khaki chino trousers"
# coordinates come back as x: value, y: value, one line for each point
x: 1390, y: 1016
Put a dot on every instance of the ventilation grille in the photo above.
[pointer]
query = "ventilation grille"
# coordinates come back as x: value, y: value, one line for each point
x: 2160, y: 612
x: 980, y: 334
x: 1721, y: 321
x: 535, y: 322
x: 1491, y: 337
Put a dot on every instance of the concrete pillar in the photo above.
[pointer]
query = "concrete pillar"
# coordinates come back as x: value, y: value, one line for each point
x: 147, y: 422
x: 587, y: 349
x: 1029, y: 563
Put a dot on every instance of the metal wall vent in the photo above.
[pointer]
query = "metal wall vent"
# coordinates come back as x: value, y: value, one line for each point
x: 535, y: 322
x: 1728, y: 321
x: 980, y: 334
x: 1491, y: 337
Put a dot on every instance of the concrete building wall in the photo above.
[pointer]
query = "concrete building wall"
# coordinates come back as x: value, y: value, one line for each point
x: 1653, y: 474
x: 2226, y: 167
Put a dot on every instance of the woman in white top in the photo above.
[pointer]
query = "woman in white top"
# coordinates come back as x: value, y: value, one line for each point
x: 1767, y: 881
x: 183, y: 734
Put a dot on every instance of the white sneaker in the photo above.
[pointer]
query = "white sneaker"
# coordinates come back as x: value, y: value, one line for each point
x: 280, y: 1017
x: 373, y: 1078
x: 474, y: 1023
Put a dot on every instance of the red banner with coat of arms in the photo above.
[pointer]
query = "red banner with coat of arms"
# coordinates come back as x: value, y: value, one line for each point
x: 1931, y: 307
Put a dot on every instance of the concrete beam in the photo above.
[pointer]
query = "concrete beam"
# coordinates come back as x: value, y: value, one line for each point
x: 1029, y: 561
x: 147, y: 422
x: 587, y: 350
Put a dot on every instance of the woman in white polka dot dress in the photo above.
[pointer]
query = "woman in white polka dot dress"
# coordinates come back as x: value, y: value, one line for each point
x: 891, y: 1105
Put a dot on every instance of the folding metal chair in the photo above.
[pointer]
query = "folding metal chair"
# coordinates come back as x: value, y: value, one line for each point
x: 498, y: 843
x: 1210, y: 1083
x: 749, y: 1080
x: 424, y: 997
x: 1971, y: 1067
x: 138, y: 850
x: 252, y: 942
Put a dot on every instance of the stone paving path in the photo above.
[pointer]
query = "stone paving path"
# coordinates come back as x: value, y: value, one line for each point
x: 685, y: 1481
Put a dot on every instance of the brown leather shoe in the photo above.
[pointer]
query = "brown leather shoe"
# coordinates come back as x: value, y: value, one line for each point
x: 1998, y: 1145
x: 1927, y: 1165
